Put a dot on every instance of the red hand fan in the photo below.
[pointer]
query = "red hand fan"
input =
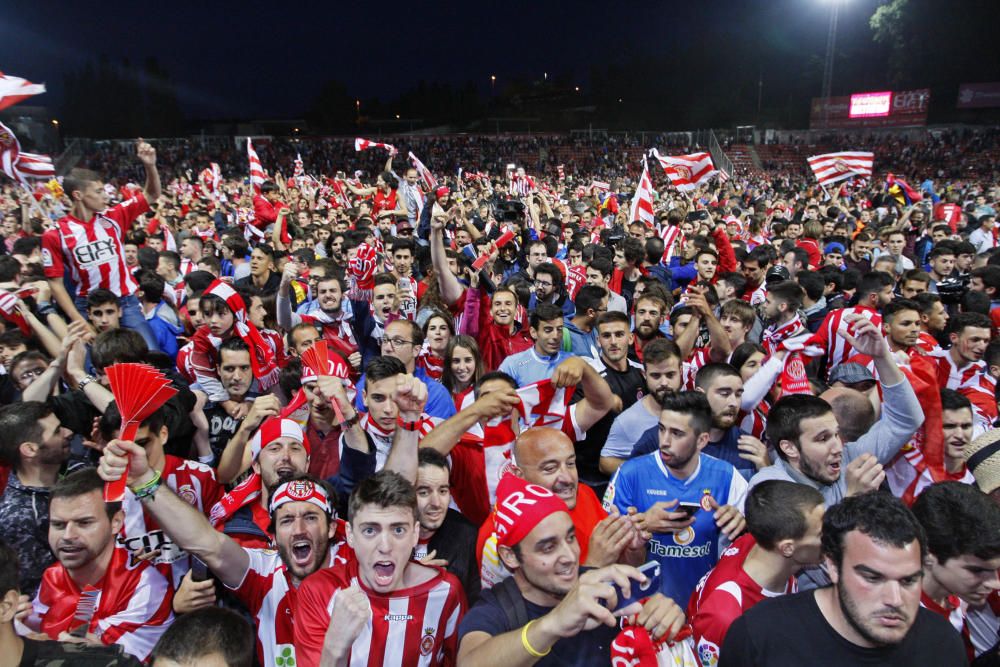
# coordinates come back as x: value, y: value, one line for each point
x: 139, y: 390
x: 317, y: 358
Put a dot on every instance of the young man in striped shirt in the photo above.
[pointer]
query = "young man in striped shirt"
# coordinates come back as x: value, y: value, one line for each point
x: 89, y: 242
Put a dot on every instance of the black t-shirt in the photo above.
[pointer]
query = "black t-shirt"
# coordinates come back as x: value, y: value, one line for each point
x: 630, y: 385
x: 221, y: 429
x: 60, y: 654
x: 587, y: 649
x: 791, y: 630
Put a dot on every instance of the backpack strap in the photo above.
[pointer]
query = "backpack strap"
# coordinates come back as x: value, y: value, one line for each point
x: 512, y: 602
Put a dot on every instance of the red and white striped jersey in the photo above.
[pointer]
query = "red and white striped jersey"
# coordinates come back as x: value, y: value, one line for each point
x: 837, y: 349
x: 950, y: 375
x: 412, y: 627
x: 133, y: 605
x: 93, y: 250
x: 195, y: 483
x: 269, y: 596
x: 908, y: 474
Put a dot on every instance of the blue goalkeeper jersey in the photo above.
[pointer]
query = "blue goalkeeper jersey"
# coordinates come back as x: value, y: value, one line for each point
x: 684, y: 556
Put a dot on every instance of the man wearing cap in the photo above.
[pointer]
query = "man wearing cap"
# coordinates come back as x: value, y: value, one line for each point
x: 550, y: 612
x: 304, y: 522
x: 833, y: 255
x: 380, y: 607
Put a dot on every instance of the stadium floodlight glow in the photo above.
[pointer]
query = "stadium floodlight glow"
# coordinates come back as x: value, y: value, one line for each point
x: 870, y: 105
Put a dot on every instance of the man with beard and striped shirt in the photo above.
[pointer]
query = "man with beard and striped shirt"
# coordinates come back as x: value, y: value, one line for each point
x: 380, y: 608
x: 89, y: 243
x: 266, y: 581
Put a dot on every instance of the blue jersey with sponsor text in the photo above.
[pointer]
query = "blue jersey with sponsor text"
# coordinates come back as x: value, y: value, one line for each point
x: 684, y: 556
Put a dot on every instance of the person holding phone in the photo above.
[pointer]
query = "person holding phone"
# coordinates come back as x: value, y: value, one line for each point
x: 551, y: 611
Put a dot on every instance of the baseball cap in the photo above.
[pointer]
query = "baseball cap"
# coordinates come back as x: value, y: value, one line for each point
x: 851, y: 373
x: 834, y: 247
x: 776, y: 274
x: 520, y: 507
x: 271, y: 430
x: 982, y: 457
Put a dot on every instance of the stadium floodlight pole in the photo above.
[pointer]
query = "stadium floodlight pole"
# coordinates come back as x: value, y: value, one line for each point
x: 831, y: 44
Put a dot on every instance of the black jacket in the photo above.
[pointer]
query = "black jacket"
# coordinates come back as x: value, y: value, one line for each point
x: 455, y: 541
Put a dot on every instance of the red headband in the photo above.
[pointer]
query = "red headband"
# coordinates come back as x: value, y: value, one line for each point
x: 301, y: 490
x: 520, y: 507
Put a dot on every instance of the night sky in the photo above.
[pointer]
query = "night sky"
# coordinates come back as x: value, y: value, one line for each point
x: 257, y: 59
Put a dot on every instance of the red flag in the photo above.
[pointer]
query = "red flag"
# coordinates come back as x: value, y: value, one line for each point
x: 14, y: 89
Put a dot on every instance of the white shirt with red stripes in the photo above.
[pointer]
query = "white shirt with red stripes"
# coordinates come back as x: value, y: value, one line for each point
x: 836, y: 347
x: 411, y: 627
x: 92, y: 250
x: 270, y: 597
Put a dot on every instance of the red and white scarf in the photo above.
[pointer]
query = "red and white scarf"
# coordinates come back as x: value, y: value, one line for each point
x: 365, y: 144
x: 774, y: 336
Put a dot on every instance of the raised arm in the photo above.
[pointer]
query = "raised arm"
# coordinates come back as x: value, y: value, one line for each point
x: 185, y: 525
x: 410, y: 397
x: 451, y: 289
x: 599, y: 399
x: 147, y: 155
x: 446, y: 435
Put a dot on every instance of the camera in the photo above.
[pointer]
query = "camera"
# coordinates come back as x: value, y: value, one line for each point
x: 952, y: 289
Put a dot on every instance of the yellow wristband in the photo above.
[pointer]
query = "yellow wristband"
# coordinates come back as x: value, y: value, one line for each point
x: 527, y: 645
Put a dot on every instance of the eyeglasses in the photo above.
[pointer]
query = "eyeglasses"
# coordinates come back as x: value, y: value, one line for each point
x: 395, y: 343
x: 540, y: 283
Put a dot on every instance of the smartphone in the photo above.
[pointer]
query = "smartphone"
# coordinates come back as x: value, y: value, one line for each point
x: 199, y: 571
x: 687, y: 508
x: 640, y: 591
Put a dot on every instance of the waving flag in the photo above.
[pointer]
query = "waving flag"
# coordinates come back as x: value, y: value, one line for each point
x: 19, y: 165
x: 686, y: 172
x: 424, y: 172
x: 642, y: 200
x: 561, y: 172
x: 901, y: 191
x: 299, y: 170
x: 257, y: 175
x: 832, y: 167
x: 669, y: 234
x: 365, y: 144
x: 13, y: 89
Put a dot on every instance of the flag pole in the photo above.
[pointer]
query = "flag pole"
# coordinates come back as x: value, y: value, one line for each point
x: 34, y: 202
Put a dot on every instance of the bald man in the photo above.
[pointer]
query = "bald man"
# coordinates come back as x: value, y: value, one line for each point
x: 546, y: 457
x: 854, y: 411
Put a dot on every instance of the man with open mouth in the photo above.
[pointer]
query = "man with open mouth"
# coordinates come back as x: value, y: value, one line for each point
x: 380, y: 607
x: 303, y: 522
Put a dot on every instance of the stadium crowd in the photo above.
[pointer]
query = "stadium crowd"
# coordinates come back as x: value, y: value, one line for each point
x: 502, y: 416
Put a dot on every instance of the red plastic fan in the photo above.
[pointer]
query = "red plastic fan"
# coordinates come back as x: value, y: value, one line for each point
x: 139, y: 390
x: 317, y: 359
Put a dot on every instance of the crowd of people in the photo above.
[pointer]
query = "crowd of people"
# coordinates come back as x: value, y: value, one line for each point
x: 502, y: 417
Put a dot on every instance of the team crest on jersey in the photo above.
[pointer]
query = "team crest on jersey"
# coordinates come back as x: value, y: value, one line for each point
x: 188, y: 495
x: 684, y: 537
x: 706, y: 500
x: 427, y: 642
x: 46, y: 257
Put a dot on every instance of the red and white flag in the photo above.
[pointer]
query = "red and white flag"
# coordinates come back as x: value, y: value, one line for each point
x: 13, y: 89
x: 364, y: 144
x: 19, y: 165
x: 669, y: 234
x: 424, y: 172
x: 601, y: 186
x: 561, y: 171
x: 642, y: 200
x: 686, y: 172
x: 833, y: 167
x: 299, y: 171
x: 257, y: 175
